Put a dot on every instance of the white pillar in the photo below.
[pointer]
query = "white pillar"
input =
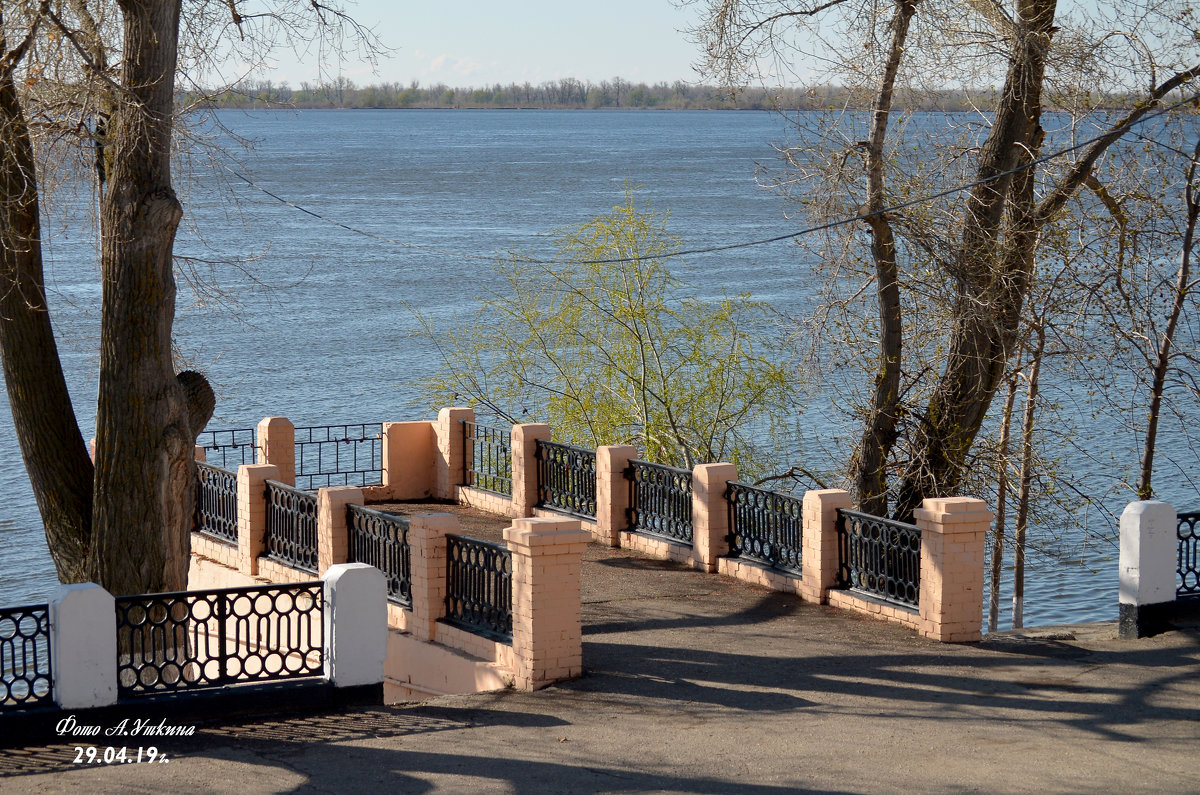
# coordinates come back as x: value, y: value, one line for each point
x: 83, y: 646
x: 1149, y: 551
x: 356, y: 624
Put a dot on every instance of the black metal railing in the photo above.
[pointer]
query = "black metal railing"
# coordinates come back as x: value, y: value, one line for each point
x: 381, y: 540
x: 1188, y: 531
x: 765, y: 526
x: 566, y: 479
x: 879, y: 557
x: 339, y: 455
x: 229, y: 449
x: 291, y: 526
x: 660, y: 501
x: 479, y: 587
x: 200, y: 639
x: 487, y: 458
x: 216, y: 503
x: 25, y: 664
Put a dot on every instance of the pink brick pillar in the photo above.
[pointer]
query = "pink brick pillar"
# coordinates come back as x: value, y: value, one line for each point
x: 198, y: 453
x: 427, y: 547
x: 953, y: 534
x: 333, y: 539
x: 252, y: 513
x: 710, y: 513
x: 448, y: 462
x: 612, y: 492
x: 409, y: 460
x: 547, y: 626
x: 277, y: 446
x: 524, y: 465
x: 819, y: 549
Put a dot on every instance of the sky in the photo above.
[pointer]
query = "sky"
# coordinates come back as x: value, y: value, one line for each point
x: 473, y: 43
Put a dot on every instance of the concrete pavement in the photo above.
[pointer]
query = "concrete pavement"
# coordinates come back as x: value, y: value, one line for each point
x: 696, y: 683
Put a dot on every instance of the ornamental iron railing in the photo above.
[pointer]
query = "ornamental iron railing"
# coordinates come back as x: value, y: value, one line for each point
x: 381, y: 540
x: 292, y: 526
x: 487, y: 458
x: 202, y: 639
x: 1188, y: 531
x: 879, y: 557
x: 765, y: 527
x: 566, y: 479
x: 25, y: 665
x: 339, y: 455
x: 479, y: 587
x: 216, y: 503
x: 229, y: 449
x: 660, y: 501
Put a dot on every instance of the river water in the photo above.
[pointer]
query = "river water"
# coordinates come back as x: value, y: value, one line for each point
x: 318, y: 326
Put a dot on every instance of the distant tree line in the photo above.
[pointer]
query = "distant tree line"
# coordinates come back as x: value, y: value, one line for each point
x: 567, y: 93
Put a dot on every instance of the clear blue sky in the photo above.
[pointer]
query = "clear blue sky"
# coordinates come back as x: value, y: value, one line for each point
x: 473, y: 42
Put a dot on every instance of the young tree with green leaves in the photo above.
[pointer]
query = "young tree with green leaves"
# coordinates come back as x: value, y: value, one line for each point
x: 606, y: 346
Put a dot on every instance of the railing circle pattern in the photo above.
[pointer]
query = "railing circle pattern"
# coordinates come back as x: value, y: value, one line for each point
x: 879, y: 557
x: 479, y: 587
x: 25, y: 678
x: 381, y: 540
x: 292, y: 526
x: 566, y: 479
x: 660, y: 501
x: 1188, y: 571
x: 766, y: 527
x: 198, y: 639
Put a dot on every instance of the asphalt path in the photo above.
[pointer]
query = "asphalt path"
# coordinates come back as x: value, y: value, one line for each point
x: 697, y: 683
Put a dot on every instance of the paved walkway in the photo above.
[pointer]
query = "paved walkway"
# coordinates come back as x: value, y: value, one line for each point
x: 696, y: 683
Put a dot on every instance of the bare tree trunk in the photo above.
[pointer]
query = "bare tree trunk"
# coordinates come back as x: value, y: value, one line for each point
x: 147, y: 418
x: 52, y: 447
x: 879, y: 433
x: 1162, y: 359
x: 992, y: 272
x: 1026, y: 481
x: 1001, y: 508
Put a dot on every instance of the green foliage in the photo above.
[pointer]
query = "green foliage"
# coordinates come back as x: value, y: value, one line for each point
x: 615, y: 352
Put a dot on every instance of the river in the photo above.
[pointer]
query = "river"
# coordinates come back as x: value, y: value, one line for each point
x: 316, y: 324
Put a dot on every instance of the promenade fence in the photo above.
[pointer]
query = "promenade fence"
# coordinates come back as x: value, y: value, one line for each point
x: 660, y: 501
x: 87, y: 649
x: 701, y: 517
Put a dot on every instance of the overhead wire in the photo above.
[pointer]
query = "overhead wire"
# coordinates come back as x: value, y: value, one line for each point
x: 1122, y: 129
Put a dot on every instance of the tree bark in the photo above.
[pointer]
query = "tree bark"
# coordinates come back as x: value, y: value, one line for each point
x: 869, y: 465
x: 1026, y: 481
x: 1162, y: 357
x: 992, y: 271
x: 998, y: 526
x: 147, y: 418
x: 52, y: 447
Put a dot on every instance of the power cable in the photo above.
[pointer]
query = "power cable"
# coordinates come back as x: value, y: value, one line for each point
x: 1122, y: 129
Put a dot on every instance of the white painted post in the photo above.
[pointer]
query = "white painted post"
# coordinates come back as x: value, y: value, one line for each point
x: 83, y: 643
x: 1147, y: 568
x: 356, y: 624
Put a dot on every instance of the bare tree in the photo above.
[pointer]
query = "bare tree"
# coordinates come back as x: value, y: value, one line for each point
x: 102, y: 77
x: 975, y: 259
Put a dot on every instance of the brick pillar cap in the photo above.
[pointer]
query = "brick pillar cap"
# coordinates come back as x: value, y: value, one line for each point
x: 719, y: 466
x: 341, y: 491
x: 546, y: 532
x: 953, y: 510
x: 617, y: 448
